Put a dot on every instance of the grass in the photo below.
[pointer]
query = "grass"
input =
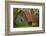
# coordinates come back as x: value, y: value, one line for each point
x: 22, y: 25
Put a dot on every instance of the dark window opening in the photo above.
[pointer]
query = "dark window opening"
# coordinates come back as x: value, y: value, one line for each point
x: 21, y: 20
x: 30, y: 23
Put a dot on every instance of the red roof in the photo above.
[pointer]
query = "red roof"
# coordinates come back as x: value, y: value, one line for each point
x: 29, y: 16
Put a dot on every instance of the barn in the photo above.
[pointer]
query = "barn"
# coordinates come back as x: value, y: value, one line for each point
x: 26, y: 17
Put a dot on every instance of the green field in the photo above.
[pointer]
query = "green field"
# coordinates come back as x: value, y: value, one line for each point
x: 24, y: 25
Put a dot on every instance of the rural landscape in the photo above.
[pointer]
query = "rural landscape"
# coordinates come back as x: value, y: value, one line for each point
x: 25, y: 17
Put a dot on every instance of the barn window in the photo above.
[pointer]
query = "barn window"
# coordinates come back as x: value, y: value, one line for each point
x: 29, y: 22
x: 21, y: 20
